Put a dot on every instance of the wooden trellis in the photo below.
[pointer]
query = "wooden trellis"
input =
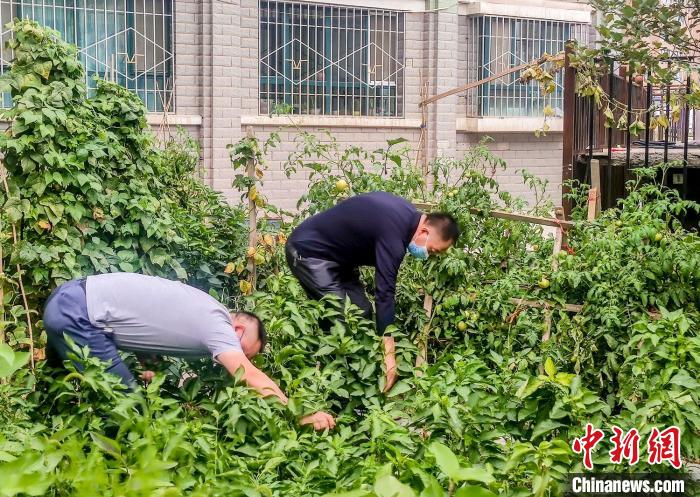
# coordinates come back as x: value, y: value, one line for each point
x: 561, y: 225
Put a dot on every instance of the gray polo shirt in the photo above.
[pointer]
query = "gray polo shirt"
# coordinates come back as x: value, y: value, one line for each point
x: 153, y: 315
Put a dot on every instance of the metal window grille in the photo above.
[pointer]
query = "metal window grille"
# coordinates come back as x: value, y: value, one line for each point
x: 126, y: 41
x: 331, y: 60
x: 497, y: 43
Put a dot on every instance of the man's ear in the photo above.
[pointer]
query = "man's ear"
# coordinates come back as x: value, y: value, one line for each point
x: 239, y: 329
x: 421, y: 231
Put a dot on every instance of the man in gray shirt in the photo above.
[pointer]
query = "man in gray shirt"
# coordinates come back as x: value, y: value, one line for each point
x: 155, y: 316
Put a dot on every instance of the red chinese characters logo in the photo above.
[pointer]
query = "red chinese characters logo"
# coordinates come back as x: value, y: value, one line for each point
x: 625, y: 447
x: 665, y: 446
x: 662, y: 446
x: 587, y: 443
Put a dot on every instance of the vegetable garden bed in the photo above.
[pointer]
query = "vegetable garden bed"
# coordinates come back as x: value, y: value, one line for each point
x: 493, y: 410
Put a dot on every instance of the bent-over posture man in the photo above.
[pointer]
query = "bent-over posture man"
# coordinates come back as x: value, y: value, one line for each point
x: 155, y: 316
x: 375, y: 229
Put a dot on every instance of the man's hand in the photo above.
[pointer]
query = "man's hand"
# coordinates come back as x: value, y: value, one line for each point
x: 147, y: 376
x: 390, y: 363
x: 321, y: 421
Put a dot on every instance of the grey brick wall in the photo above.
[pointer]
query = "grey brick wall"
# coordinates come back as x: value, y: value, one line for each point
x: 284, y: 192
x: 216, y: 50
x: 540, y: 156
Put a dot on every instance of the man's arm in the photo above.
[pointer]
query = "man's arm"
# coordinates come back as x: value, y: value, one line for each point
x: 388, y: 256
x: 390, y: 362
x: 234, y: 360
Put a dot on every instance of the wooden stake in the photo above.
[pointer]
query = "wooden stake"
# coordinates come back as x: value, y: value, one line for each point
x: 422, y: 356
x: 547, y: 324
x: 544, y: 221
x: 595, y: 176
x: 19, y: 278
x: 421, y: 155
x: 493, y: 77
x: 560, y: 237
x: 594, y: 202
x: 513, y: 216
x: 2, y: 283
x: 546, y: 305
x: 252, y: 216
x: 558, y: 242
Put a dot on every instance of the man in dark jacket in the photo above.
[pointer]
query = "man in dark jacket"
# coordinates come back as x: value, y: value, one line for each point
x: 374, y: 229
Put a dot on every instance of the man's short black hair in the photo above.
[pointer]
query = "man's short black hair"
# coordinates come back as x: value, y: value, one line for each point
x: 445, y: 224
x: 262, y: 334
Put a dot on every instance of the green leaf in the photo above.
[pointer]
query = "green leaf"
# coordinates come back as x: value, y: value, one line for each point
x: 399, y: 388
x: 389, y: 486
x: 396, y: 159
x: 683, y: 379
x: 147, y: 243
x: 11, y: 361
x: 76, y: 211
x: 449, y: 464
x: 519, y: 452
x: 549, y: 367
x: 158, y: 256
x: 24, y: 476
x: 325, y: 350
x: 446, y: 459
x: 126, y: 267
x: 530, y: 386
x: 43, y: 69
x: 474, y: 491
x: 475, y: 473
x: 352, y: 493
x: 396, y: 141
x: 431, y: 487
x: 180, y: 272
x: 545, y: 426
x: 54, y: 212
x: 106, y: 444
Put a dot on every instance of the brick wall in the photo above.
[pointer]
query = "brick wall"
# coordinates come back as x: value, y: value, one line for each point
x: 284, y: 192
x: 540, y: 156
x: 208, y: 77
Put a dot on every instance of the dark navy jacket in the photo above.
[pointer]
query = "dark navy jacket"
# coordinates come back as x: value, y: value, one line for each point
x: 373, y: 229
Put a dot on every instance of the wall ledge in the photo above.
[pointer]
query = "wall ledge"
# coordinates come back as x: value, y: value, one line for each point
x: 157, y: 118
x: 530, y: 9
x: 331, y: 121
x: 507, y: 124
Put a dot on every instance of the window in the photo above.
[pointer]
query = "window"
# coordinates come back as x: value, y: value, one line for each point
x: 126, y: 41
x: 331, y: 60
x: 498, y: 43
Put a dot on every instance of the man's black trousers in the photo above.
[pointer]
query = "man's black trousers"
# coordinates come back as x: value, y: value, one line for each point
x: 320, y: 277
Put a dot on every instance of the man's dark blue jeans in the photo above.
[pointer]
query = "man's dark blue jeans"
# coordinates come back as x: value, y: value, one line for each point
x: 66, y: 313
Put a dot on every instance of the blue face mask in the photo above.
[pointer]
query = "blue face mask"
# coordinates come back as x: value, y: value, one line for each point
x: 420, y: 253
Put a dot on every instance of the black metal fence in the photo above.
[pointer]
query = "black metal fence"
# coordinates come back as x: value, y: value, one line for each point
x: 587, y: 138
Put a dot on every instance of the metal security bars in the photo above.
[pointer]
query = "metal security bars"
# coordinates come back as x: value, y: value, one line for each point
x: 331, y: 60
x: 126, y: 41
x: 497, y: 43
